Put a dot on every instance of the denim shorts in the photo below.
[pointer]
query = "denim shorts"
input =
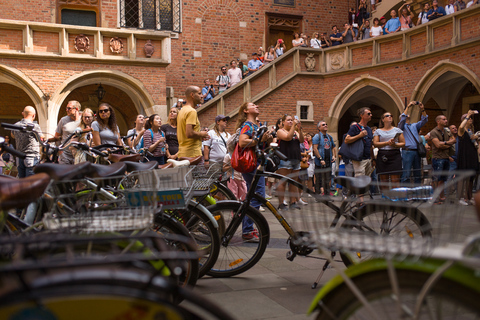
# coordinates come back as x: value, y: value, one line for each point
x: 440, y: 165
x: 289, y: 164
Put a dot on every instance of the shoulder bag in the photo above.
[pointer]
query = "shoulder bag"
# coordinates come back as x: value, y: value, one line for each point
x: 352, y: 151
x: 244, y: 160
x: 422, y: 152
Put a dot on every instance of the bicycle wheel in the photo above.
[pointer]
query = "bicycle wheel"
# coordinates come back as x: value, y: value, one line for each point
x: 392, y: 220
x: 207, y: 237
x: 164, y: 224
x: 446, y: 300
x: 239, y: 255
x: 93, y: 293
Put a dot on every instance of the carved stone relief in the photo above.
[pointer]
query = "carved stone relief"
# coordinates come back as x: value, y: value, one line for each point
x: 116, y: 45
x: 337, y: 61
x: 310, y: 62
x: 82, y: 43
x: 149, y: 49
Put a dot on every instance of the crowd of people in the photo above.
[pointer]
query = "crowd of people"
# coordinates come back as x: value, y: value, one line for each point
x: 389, y: 153
x: 357, y: 27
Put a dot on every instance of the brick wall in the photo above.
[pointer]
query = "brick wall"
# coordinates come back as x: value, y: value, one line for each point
x: 220, y: 38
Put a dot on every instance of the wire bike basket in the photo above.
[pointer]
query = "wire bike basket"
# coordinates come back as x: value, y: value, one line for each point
x: 399, y: 220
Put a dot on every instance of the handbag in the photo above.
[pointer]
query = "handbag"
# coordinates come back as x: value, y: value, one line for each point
x: 422, y: 152
x: 352, y: 151
x: 244, y: 160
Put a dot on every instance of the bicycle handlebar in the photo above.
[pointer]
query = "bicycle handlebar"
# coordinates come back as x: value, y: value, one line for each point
x: 11, y: 150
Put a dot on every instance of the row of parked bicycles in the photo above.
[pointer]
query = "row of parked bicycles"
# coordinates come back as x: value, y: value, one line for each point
x: 131, y: 239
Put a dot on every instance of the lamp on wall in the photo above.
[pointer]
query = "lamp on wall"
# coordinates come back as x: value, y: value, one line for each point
x: 100, y: 92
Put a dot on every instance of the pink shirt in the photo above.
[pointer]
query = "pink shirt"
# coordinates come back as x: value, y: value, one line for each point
x: 235, y: 76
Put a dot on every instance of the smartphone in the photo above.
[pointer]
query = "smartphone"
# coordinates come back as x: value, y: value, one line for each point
x: 397, y: 135
x: 475, y: 111
x: 296, y: 118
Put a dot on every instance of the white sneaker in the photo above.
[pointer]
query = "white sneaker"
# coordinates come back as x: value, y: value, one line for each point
x: 268, y: 197
x: 300, y: 201
x: 285, y: 202
x: 463, y: 202
x: 262, y: 209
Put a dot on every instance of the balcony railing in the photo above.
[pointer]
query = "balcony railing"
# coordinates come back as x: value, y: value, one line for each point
x: 47, y: 41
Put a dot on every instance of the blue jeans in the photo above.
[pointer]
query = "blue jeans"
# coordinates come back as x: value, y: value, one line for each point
x: 440, y: 165
x: 247, y: 225
x: 411, y: 161
x: 25, y: 166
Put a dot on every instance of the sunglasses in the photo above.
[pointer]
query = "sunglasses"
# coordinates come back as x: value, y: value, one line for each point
x: 103, y: 111
x: 369, y: 114
x: 68, y: 108
x: 387, y: 116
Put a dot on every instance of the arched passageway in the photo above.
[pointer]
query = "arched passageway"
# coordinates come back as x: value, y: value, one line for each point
x: 125, y: 93
x: 363, y: 92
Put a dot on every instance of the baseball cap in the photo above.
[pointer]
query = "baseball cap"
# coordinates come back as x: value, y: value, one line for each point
x: 221, y: 117
x: 382, y: 18
x: 254, y: 54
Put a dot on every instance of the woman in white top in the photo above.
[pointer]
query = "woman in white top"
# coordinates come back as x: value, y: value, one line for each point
x: 450, y: 7
x: 315, y: 42
x: 215, y: 148
x: 376, y: 30
x: 298, y: 41
x: 389, y: 139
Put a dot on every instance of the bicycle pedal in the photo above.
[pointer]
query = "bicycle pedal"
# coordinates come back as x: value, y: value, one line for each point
x: 291, y: 255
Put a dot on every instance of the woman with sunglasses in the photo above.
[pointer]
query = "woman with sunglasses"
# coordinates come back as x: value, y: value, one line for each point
x: 105, y: 129
x: 388, y: 139
x: 154, y: 138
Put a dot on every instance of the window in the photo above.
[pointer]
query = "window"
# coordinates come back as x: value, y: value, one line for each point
x: 79, y: 17
x: 305, y: 111
x: 150, y: 14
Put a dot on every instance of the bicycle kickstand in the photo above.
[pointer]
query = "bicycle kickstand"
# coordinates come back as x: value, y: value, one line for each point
x: 325, y: 267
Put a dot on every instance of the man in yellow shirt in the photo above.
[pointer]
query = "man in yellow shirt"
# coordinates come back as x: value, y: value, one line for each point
x: 189, y: 135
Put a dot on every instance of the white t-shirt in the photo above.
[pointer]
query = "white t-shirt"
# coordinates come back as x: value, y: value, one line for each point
x: 235, y: 76
x: 315, y: 43
x: 423, y: 16
x: 217, y: 146
x: 223, y: 82
x: 470, y: 4
x: 449, y: 9
x: 384, y: 136
x: 376, y: 31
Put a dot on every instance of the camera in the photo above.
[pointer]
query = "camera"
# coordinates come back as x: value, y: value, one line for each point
x: 211, y: 86
x: 417, y: 102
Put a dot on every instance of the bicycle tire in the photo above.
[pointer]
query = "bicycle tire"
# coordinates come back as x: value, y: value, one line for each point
x: 341, y: 303
x: 116, y: 293
x: 206, y: 236
x: 165, y: 224
x: 239, y: 256
x: 412, y: 222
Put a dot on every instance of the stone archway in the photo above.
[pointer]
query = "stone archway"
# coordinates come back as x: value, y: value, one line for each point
x: 366, y: 91
x: 17, y: 80
x: 132, y: 87
x: 443, y: 85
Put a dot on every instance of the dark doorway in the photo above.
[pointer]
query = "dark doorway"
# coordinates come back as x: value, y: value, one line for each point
x: 281, y: 26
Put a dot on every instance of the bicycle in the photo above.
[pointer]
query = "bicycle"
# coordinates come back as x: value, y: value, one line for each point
x: 425, y: 278
x: 237, y: 256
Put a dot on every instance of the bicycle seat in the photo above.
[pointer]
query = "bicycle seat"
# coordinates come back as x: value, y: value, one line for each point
x: 193, y: 161
x: 176, y: 163
x: 19, y: 193
x: 358, y: 185
x: 60, y: 172
x: 166, y: 166
x: 103, y: 170
x: 113, y: 157
x: 140, y: 166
